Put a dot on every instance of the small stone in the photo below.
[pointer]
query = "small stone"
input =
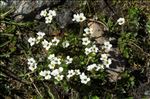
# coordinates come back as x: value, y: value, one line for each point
x: 19, y: 18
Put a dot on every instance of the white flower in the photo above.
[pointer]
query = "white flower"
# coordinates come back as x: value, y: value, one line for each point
x: 77, y: 71
x: 32, y: 41
x: 104, y: 57
x: 85, y: 2
x: 33, y: 67
x: 43, y: 13
x: 48, y: 19
x: 85, y: 41
x: 70, y: 73
x: 47, y: 77
x: 75, y: 17
x: 84, y: 78
x: 40, y: 35
x: 99, y: 66
x: 47, y: 74
x: 69, y: 60
x: 88, y: 51
x: 112, y: 38
x: 32, y: 64
x: 37, y: 40
x: 42, y: 73
x: 79, y: 17
x: 55, y: 72
x: 107, y: 46
x: 31, y: 61
x: 52, y: 13
x: 60, y: 69
x: 121, y: 21
x: 59, y: 77
x: 55, y: 41
x: 95, y: 67
x: 51, y: 66
x: 91, y: 67
x: 56, y: 61
x: 51, y: 57
x: 88, y: 31
x: 107, y: 62
x: 94, y: 49
x: 46, y: 44
x: 65, y: 44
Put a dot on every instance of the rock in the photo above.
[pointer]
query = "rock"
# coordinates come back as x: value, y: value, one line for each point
x: 117, y: 66
x: 98, y: 30
x: 28, y: 8
x: 64, y: 18
x: 118, y: 62
x: 42, y: 26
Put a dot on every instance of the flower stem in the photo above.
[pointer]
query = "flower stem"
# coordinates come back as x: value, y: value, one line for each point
x: 81, y: 29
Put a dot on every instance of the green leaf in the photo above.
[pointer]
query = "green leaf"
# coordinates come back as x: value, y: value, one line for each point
x: 5, y: 43
x: 95, y: 97
x: 130, y: 98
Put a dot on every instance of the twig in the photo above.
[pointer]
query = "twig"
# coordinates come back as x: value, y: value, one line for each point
x: 145, y: 53
x: 111, y: 9
x: 99, y: 22
x: 12, y: 75
x: 35, y: 87
x: 49, y: 92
